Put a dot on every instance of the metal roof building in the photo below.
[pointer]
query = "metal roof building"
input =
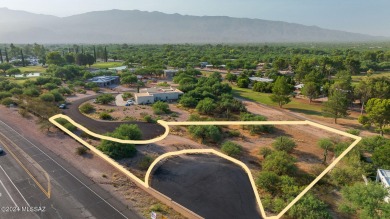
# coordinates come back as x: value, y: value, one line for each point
x: 383, y: 176
x: 103, y: 81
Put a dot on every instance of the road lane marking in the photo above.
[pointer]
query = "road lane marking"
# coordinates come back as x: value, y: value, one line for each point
x: 47, y: 193
x: 8, y: 194
x: 166, y: 125
x: 15, y: 186
x: 105, y: 201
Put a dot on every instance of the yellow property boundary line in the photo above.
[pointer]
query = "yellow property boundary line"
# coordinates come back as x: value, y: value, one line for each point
x: 205, y: 151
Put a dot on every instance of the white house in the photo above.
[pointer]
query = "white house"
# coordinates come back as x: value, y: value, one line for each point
x: 383, y: 176
x: 151, y: 95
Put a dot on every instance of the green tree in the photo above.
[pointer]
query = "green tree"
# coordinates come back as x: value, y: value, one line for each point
x: 243, y: 83
x: 381, y: 157
x: 206, y: 106
x: 231, y: 77
x: 309, y: 207
x: 311, y: 90
x: 160, y: 107
x: 326, y: 144
x: 129, y: 79
x: 283, y: 143
x: 5, y: 66
x: 367, y: 201
x: 105, y: 99
x: 69, y: 58
x: 55, y: 58
x: 336, y: 106
x: 281, y: 92
x: 268, y: 181
x: 280, y: 163
x: 378, y: 113
x: 13, y: 71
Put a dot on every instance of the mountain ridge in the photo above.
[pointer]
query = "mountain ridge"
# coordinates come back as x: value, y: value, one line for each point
x: 139, y: 27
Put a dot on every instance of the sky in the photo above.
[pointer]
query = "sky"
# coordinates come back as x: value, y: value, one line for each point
x: 359, y: 16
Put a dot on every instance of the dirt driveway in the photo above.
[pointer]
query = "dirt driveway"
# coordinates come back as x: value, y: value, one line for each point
x: 149, y: 130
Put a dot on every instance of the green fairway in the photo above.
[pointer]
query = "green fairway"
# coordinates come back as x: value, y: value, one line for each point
x: 28, y: 69
x: 105, y: 65
x: 357, y: 78
x: 295, y: 105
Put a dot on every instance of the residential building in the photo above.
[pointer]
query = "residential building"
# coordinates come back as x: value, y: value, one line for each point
x: 383, y: 176
x: 170, y: 73
x: 151, y: 95
x: 104, y: 81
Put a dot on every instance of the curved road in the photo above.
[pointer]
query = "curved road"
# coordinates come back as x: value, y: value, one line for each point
x: 149, y: 130
x: 208, y: 185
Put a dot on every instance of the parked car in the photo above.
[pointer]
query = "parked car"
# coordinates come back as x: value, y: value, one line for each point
x: 1, y: 150
x: 62, y: 106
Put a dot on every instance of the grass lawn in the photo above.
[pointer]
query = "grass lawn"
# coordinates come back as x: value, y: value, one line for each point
x: 357, y: 78
x: 22, y: 80
x: 107, y: 65
x: 37, y: 68
x: 296, y: 105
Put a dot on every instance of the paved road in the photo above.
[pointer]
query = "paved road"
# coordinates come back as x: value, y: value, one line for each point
x: 208, y: 185
x: 73, y: 195
x: 149, y: 130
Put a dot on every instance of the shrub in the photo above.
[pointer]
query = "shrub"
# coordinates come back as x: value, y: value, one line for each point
x: 340, y: 148
x: 127, y: 95
x: 105, y: 116
x: 16, y: 91
x: 96, y: 89
x: 163, y: 84
x: 87, y: 108
x: 265, y: 152
x: 117, y: 150
x: 70, y: 127
x: 50, y: 86
x: 32, y: 92
x: 353, y: 131
x: 231, y: 149
x: 255, y: 129
x: 279, y: 162
x: 47, y: 97
x: 81, y: 150
x: 283, y: 143
x: 5, y: 95
x: 145, y: 162
x: 105, y: 98
x: 128, y: 132
x: 57, y: 96
x: 149, y: 119
x: 161, y: 108
x: 209, y: 133
x: 234, y: 133
x: 7, y: 101
x: 24, y: 113
x: 268, y: 181
x: 62, y: 121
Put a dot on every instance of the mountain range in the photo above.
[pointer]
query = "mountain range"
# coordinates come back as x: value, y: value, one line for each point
x: 139, y: 27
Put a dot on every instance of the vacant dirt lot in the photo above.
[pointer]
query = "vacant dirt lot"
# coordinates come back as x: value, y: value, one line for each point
x: 209, y: 185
